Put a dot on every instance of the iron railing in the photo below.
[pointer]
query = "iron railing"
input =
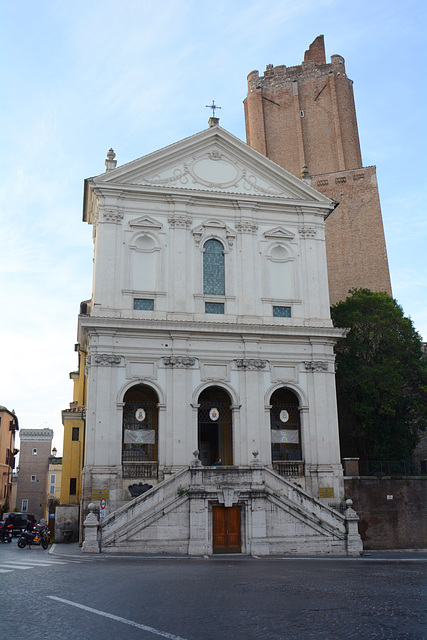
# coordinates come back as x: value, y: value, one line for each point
x: 386, y: 468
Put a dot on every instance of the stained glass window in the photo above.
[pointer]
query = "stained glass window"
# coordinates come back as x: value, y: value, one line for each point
x: 213, y: 269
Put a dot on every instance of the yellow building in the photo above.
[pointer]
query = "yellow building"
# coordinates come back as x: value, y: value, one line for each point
x: 54, y: 479
x: 54, y: 476
x: 73, y: 420
x: 8, y: 428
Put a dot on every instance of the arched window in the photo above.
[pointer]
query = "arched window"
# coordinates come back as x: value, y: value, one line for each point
x: 213, y: 268
x: 215, y: 427
x: 285, y: 426
x: 140, y: 433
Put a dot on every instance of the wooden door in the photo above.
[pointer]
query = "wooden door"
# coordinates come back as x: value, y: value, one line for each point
x: 226, y: 529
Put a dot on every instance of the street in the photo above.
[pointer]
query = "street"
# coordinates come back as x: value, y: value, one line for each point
x: 73, y: 596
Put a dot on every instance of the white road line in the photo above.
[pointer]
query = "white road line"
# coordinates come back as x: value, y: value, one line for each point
x: 144, y: 627
x: 22, y: 567
x: 5, y: 570
x: 32, y: 563
x: 44, y: 563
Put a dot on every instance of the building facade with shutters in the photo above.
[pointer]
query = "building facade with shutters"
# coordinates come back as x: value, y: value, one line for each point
x: 211, y: 422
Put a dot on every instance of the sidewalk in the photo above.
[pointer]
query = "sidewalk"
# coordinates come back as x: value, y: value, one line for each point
x: 72, y: 549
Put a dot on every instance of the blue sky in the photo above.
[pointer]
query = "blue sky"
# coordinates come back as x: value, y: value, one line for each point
x: 81, y: 77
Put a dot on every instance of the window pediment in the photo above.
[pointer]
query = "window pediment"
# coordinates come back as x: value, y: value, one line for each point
x: 214, y: 229
x: 145, y: 222
x: 279, y: 233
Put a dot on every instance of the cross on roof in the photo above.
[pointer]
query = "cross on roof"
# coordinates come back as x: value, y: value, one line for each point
x: 213, y: 106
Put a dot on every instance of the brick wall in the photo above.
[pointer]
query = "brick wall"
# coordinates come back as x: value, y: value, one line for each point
x: 355, y: 243
x: 305, y: 115
x: 397, y: 523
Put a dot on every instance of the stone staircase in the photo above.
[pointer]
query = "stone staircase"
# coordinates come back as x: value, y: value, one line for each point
x: 277, y: 516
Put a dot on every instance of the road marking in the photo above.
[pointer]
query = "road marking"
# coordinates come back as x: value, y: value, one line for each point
x: 144, y: 627
x: 22, y: 565
x: 44, y: 563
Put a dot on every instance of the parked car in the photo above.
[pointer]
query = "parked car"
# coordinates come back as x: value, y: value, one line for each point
x: 19, y: 521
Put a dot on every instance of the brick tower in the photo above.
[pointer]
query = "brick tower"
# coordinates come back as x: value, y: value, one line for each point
x: 304, y: 119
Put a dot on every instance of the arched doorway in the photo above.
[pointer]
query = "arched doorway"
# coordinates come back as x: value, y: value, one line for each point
x: 215, y: 428
x: 140, y: 447
x: 285, y: 426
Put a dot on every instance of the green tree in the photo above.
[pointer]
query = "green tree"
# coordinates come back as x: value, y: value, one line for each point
x: 381, y: 378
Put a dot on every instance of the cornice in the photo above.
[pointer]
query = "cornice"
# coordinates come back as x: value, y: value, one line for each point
x: 132, y: 325
x: 142, y: 191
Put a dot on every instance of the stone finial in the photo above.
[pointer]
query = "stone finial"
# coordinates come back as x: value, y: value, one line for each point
x: 255, y: 462
x: 90, y: 528
x: 110, y: 162
x: 213, y: 122
x: 195, y: 461
x: 349, y: 511
x: 305, y: 175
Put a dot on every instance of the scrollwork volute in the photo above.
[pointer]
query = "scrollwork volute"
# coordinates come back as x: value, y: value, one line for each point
x: 316, y: 366
x: 107, y: 359
x: 253, y: 365
x: 180, y: 362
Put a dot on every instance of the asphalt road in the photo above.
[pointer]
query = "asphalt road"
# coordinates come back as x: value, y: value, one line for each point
x: 75, y: 597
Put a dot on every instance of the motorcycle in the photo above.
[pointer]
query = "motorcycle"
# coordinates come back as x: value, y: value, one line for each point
x: 7, y: 535
x: 39, y: 536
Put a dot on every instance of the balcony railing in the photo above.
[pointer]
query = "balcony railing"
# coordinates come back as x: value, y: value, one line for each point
x: 288, y: 468
x: 140, y: 469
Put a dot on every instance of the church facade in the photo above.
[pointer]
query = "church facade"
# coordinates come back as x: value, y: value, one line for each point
x: 211, y: 422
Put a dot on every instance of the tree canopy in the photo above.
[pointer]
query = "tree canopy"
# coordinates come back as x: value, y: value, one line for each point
x: 381, y: 378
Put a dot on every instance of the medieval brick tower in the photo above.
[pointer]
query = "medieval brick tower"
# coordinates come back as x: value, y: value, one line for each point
x: 304, y: 119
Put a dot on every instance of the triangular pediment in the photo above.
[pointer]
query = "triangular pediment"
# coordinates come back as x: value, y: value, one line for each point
x: 145, y: 222
x: 212, y: 161
x: 279, y: 233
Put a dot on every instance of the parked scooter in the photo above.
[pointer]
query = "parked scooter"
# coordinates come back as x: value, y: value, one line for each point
x: 39, y: 536
x: 7, y: 534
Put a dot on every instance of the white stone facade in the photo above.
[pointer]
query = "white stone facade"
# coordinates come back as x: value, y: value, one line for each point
x: 150, y: 329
